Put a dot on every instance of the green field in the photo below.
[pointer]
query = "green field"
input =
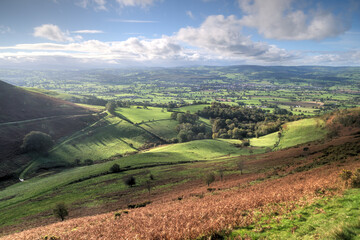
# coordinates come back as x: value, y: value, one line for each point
x: 80, y: 185
x: 163, y: 128
x: 140, y: 115
x: 193, y: 108
x: 202, y: 149
x: 265, y: 141
x: 302, y: 131
x: 108, y: 137
x: 292, y: 134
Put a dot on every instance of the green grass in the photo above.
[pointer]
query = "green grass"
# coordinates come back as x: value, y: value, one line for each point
x: 203, y: 149
x: 193, y: 108
x: 55, y: 94
x: 139, y: 115
x: 163, y: 128
x: 108, y: 137
x: 294, y: 133
x: 95, y: 107
x: 302, y: 131
x: 265, y: 141
x: 336, y: 218
x: 88, y: 185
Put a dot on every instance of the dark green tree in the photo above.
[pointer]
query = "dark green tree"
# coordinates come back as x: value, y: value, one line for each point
x: 130, y: 181
x: 60, y: 211
x: 115, y: 168
x: 36, y: 141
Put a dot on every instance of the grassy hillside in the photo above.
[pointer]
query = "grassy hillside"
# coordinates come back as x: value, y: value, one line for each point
x: 202, y: 149
x: 193, y: 108
x: 21, y: 112
x: 327, y: 218
x: 139, y: 115
x: 108, y: 137
x: 163, y: 128
x: 302, y: 131
x: 274, y: 199
x: 292, y: 134
x: 80, y: 184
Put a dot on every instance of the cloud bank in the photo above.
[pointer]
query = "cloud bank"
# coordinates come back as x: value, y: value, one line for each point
x: 277, y: 19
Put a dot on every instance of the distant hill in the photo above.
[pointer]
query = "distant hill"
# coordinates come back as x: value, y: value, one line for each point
x: 17, y: 104
x: 22, y: 111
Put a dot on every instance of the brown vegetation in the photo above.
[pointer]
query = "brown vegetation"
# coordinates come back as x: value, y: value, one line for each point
x: 292, y: 181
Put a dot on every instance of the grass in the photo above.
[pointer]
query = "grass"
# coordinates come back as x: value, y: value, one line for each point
x: 327, y: 218
x: 302, y: 131
x: 193, y: 108
x: 204, y: 149
x: 265, y: 141
x: 163, y: 128
x: 108, y: 137
x: 139, y: 115
x: 90, y: 184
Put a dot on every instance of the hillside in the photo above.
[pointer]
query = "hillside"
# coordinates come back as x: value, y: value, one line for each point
x: 283, y: 194
x: 18, y: 104
x: 22, y: 111
x: 277, y: 182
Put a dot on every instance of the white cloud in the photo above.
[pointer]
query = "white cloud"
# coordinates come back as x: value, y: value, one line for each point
x: 278, y: 19
x: 133, y: 49
x: 223, y: 36
x: 190, y: 14
x: 96, y: 4
x: 88, y: 31
x: 347, y: 58
x: 4, y: 29
x: 135, y: 3
x: 52, y: 32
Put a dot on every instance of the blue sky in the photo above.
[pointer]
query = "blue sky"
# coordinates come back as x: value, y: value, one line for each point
x: 166, y: 33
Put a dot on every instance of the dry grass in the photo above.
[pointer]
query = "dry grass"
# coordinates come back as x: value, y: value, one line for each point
x: 204, y: 213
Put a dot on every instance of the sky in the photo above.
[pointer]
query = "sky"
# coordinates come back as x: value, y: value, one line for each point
x: 170, y: 33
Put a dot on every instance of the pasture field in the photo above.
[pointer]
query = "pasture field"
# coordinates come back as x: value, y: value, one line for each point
x: 302, y: 131
x: 267, y: 141
x: 81, y: 185
x: 156, y: 160
x: 138, y: 114
x: 193, y: 108
x: 285, y: 204
x: 108, y: 137
x: 260, y: 86
x: 164, y: 128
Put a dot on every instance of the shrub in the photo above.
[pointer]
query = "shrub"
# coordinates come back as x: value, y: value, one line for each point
x: 115, y: 168
x: 139, y: 205
x: 60, y: 211
x: 130, y: 181
x: 355, y: 180
x: 36, y: 141
x: 346, y: 175
x: 240, y: 165
x: 88, y: 162
x: 210, y: 178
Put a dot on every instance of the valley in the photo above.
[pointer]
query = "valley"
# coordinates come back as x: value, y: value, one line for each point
x: 215, y: 152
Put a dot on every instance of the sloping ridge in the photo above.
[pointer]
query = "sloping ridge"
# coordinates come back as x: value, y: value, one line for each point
x: 17, y: 104
x: 22, y: 111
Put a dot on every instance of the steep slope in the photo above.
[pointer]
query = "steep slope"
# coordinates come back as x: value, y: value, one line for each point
x: 22, y: 111
x: 18, y: 104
